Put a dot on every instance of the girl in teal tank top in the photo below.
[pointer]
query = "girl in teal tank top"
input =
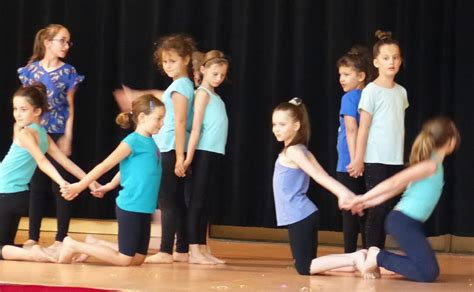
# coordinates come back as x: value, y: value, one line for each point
x: 423, y: 181
x: 30, y: 143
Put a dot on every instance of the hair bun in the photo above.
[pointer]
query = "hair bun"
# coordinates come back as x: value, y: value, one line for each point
x: 383, y: 35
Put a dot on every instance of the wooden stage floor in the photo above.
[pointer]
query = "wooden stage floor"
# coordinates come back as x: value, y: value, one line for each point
x: 251, y: 266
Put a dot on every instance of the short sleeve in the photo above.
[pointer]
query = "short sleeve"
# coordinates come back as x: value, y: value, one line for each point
x: 406, y: 104
x: 25, y: 74
x: 183, y: 87
x: 367, y: 100
x: 130, y: 141
x: 349, y: 104
x: 74, y: 79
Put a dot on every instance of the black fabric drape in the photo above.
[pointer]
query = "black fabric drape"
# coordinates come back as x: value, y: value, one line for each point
x: 278, y: 49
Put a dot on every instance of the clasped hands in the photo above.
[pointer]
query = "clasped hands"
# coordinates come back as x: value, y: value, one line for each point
x: 353, y: 203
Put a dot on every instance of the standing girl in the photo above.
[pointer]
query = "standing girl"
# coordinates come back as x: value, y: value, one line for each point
x: 423, y: 184
x: 30, y: 143
x: 205, y: 150
x: 294, y: 166
x: 354, y: 74
x: 139, y: 176
x: 45, y: 66
x: 173, y: 55
x: 380, y: 139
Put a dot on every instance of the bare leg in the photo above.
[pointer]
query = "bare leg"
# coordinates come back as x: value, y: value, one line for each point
x: 79, y: 258
x: 371, y: 270
x: 196, y: 257
x: 159, y: 258
x: 335, y: 261
x: 205, y: 251
x: 34, y: 254
x: 101, y: 252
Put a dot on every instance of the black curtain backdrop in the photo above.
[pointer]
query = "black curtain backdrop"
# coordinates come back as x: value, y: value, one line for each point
x: 278, y: 49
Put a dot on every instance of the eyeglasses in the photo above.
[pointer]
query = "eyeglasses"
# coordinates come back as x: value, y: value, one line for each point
x: 63, y: 42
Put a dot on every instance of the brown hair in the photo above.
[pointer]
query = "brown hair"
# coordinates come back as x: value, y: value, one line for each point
x: 47, y: 33
x: 297, y: 110
x: 183, y: 45
x: 35, y: 94
x: 142, y: 104
x: 384, y: 38
x: 434, y: 134
x: 210, y: 58
x: 360, y: 59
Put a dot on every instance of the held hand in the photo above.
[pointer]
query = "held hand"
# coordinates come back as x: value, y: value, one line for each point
x: 346, y: 202
x: 358, y: 209
x: 65, y: 145
x: 179, y: 169
x: 101, y: 191
x: 356, y: 168
x: 186, y: 165
x: 69, y: 192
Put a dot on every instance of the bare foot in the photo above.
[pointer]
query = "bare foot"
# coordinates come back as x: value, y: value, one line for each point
x: 79, y: 258
x: 29, y: 243
x: 159, y: 258
x: 359, y: 258
x: 370, y: 269
x: 384, y: 271
x: 180, y: 257
x: 200, y: 259
x: 67, y: 251
x: 38, y: 254
x: 56, y: 245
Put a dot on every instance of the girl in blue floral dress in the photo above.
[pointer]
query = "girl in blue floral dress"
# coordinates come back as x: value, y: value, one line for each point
x: 45, y: 66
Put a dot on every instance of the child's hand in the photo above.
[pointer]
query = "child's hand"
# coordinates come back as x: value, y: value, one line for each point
x: 179, y: 169
x: 102, y: 190
x: 94, y: 185
x: 346, y: 202
x: 124, y: 98
x: 357, y: 206
x: 186, y: 165
x: 356, y: 168
x: 69, y: 192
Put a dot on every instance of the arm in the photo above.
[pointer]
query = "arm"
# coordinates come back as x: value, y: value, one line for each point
x: 200, y: 103
x: 100, y: 192
x: 71, y: 191
x: 65, y: 142
x: 309, y: 164
x: 351, y: 134
x: 180, y: 105
x: 394, y: 185
x: 356, y: 167
x: 28, y: 140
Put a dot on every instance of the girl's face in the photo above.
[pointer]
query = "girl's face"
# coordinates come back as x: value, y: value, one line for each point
x: 152, y: 122
x: 24, y: 112
x: 174, y: 65
x: 389, y: 60
x: 214, y: 75
x: 284, y: 127
x: 59, y: 45
x: 350, y: 79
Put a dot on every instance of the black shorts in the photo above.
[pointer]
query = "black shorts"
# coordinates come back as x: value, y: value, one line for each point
x: 134, y: 232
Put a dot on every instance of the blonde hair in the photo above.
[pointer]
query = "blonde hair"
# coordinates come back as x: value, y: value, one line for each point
x: 434, y: 134
x: 210, y: 58
x: 143, y: 104
x: 47, y: 33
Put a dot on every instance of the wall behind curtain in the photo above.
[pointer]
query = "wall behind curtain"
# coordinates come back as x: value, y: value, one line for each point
x: 278, y: 49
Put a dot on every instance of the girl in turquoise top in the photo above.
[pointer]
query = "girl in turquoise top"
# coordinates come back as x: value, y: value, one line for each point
x: 30, y: 143
x: 205, y: 150
x: 423, y: 182
x: 139, y: 176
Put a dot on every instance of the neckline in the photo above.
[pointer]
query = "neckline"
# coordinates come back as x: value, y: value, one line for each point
x: 44, y: 69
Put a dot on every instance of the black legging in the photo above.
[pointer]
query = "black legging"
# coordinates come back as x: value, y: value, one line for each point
x: 172, y: 206
x: 40, y: 187
x: 304, y: 242
x: 375, y: 217
x: 202, y: 186
x: 12, y: 207
x: 352, y: 224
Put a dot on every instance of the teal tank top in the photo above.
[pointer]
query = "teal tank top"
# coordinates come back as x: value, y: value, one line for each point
x: 18, y: 166
x: 421, y: 197
x: 213, y: 137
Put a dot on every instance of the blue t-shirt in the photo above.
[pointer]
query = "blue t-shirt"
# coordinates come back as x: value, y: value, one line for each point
x: 58, y: 84
x: 349, y: 107
x: 166, y: 139
x: 18, y: 166
x: 215, y: 125
x: 290, y: 186
x: 420, y: 198
x: 140, y: 175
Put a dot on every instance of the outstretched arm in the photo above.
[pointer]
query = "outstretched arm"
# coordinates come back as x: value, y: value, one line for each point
x: 126, y: 95
x: 71, y: 191
x: 100, y: 192
x: 308, y: 163
x: 395, y: 185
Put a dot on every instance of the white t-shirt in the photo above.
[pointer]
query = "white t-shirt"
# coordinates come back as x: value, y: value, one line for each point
x: 387, y: 130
